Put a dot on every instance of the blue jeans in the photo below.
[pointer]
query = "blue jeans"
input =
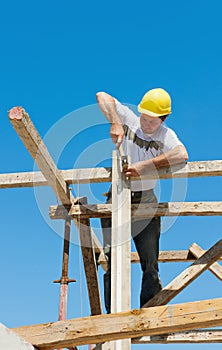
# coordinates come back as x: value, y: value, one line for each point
x: 146, y: 234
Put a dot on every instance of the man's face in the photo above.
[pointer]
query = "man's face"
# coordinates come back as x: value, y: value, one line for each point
x: 149, y: 124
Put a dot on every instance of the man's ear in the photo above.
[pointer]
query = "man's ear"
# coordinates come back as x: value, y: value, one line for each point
x: 163, y: 119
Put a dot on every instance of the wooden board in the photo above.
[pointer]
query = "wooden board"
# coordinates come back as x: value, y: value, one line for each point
x: 94, y: 175
x: 187, y: 276
x: 130, y: 324
x: 215, y: 268
x: 121, y: 246
x: 208, y: 336
x: 24, y: 127
x: 141, y: 212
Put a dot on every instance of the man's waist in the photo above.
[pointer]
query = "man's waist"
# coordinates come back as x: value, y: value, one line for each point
x: 141, y: 193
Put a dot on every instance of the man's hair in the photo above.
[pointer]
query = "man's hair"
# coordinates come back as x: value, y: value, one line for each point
x: 163, y: 117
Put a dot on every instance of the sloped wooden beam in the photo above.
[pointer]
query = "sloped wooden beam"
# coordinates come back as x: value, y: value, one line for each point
x: 130, y: 324
x: 215, y: 268
x: 92, y: 175
x: 140, y: 212
x: 89, y: 264
x: 187, y: 276
x: 189, y: 337
x: 27, y: 132
x: 30, y: 137
x: 9, y: 340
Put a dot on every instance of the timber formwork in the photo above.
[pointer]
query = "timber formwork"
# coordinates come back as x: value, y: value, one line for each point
x: 157, y: 322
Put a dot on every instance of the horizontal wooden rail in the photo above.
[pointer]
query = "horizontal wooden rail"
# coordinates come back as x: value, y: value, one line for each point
x: 139, y: 212
x: 93, y: 175
x: 164, y: 256
x: 189, y: 337
x: 130, y: 324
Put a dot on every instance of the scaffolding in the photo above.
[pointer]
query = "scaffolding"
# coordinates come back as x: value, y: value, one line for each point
x: 157, y: 322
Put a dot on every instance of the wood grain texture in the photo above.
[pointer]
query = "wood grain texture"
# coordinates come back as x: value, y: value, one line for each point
x: 187, y: 276
x: 130, y: 324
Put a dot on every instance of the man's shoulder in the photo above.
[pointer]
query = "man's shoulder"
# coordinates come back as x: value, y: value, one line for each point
x: 127, y: 112
x: 164, y: 131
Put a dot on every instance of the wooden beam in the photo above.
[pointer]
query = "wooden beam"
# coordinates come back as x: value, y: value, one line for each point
x: 94, y: 175
x: 90, y: 264
x: 140, y: 212
x: 9, y: 340
x: 27, y: 132
x: 215, y: 268
x: 121, y: 245
x: 130, y: 324
x: 189, y: 337
x: 30, y: 137
x: 72, y: 176
x: 187, y: 276
x: 164, y: 256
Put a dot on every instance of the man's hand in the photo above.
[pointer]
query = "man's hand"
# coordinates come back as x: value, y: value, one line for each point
x: 135, y: 169
x: 117, y: 134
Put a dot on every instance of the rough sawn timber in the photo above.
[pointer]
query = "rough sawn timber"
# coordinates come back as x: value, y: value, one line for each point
x: 130, y: 324
x: 120, y: 246
x: 215, y: 268
x: 187, y: 276
x: 189, y: 337
x: 89, y: 264
x: 139, y: 212
x: 27, y: 132
x: 93, y: 175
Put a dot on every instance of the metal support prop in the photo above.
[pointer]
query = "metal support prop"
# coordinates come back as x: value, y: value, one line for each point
x: 64, y: 280
x: 121, y: 244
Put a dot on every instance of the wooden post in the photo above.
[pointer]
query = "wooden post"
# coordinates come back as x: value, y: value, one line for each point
x: 121, y: 246
x: 89, y: 263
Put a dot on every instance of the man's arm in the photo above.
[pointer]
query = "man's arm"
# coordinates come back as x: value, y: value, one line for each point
x: 107, y: 106
x: 175, y: 156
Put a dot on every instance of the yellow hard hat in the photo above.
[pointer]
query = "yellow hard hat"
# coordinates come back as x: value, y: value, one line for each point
x: 155, y: 103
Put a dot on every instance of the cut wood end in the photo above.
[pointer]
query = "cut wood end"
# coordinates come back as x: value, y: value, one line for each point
x: 16, y: 113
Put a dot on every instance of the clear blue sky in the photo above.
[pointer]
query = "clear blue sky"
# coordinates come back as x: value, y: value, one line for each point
x: 54, y: 57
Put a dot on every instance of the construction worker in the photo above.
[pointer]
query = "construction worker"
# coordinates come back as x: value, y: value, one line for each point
x: 151, y: 145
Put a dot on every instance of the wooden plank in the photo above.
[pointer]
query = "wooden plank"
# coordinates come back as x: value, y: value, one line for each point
x: 30, y: 137
x: 9, y: 340
x: 94, y: 175
x: 129, y: 324
x: 142, y: 211
x: 121, y: 246
x: 25, y: 129
x: 187, y: 276
x: 215, y: 268
x: 90, y: 264
x: 164, y: 256
x: 189, y: 337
